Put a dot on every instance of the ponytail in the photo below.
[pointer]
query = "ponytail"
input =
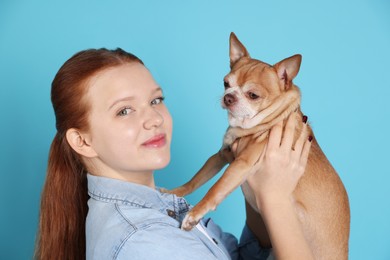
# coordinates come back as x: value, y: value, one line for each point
x: 63, y: 205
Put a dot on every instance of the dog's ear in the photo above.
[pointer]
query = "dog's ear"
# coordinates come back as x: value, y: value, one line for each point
x: 288, y: 69
x: 237, y: 50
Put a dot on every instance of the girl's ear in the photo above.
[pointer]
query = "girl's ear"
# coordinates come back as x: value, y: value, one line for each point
x: 80, y: 143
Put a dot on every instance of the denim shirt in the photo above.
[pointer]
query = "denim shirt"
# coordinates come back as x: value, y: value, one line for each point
x: 130, y: 221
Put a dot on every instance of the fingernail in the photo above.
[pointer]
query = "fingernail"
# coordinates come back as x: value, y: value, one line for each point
x: 310, y: 138
x: 304, y: 119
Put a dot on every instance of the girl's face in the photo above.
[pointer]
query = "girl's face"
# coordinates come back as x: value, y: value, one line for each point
x: 130, y: 126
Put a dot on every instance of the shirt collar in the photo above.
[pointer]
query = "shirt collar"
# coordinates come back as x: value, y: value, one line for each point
x: 108, y: 189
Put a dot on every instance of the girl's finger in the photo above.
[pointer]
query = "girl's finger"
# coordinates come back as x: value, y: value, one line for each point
x: 301, y: 140
x: 275, y: 136
x: 289, y: 132
x: 305, y: 152
x: 258, y: 163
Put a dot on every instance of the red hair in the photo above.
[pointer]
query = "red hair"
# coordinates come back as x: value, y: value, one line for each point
x: 64, y: 198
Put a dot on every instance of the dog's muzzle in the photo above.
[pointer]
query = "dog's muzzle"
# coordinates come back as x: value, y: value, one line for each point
x: 229, y: 100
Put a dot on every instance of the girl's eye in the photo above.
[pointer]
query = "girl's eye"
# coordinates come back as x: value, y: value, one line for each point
x: 157, y: 101
x: 124, y: 112
x: 253, y: 95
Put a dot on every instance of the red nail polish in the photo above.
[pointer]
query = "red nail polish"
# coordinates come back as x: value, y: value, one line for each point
x: 304, y: 119
x: 310, y: 138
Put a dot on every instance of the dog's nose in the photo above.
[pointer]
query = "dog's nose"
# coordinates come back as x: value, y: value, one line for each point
x: 229, y: 99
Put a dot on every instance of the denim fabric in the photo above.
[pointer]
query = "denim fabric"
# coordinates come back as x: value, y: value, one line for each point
x: 131, y: 221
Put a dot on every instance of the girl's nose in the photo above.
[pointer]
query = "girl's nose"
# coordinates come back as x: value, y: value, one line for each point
x: 154, y: 119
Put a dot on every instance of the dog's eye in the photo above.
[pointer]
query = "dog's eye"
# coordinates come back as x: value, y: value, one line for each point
x: 226, y: 84
x: 253, y: 95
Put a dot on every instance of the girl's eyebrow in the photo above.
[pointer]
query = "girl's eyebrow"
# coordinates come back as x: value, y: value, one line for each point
x: 157, y: 90
x: 121, y: 100
x: 131, y: 97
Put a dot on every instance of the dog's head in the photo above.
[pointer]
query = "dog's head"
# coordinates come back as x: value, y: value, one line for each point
x: 252, y: 85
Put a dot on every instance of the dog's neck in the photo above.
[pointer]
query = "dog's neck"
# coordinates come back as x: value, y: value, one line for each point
x: 279, y: 110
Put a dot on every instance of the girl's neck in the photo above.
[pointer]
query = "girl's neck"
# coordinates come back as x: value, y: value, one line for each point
x: 145, y: 178
x: 142, y: 178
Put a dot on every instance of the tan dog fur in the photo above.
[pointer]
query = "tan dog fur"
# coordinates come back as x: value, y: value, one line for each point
x: 320, y: 198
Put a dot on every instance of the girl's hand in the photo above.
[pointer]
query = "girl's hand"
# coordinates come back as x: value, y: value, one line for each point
x: 281, y: 164
x: 273, y: 180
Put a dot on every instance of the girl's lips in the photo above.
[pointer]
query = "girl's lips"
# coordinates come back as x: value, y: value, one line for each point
x: 156, y: 141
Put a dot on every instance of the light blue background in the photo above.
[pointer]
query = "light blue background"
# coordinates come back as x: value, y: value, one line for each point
x: 344, y: 78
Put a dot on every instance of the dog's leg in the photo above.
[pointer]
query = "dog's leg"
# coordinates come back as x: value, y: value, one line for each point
x: 233, y: 177
x: 212, y: 166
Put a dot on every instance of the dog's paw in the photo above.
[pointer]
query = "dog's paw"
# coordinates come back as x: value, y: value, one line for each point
x: 179, y: 191
x: 189, y: 222
x: 197, y: 213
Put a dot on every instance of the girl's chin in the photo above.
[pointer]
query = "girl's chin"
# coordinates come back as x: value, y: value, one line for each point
x: 161, y: 163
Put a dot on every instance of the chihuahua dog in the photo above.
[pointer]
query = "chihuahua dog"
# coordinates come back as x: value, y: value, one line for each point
x: 258, y: 96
